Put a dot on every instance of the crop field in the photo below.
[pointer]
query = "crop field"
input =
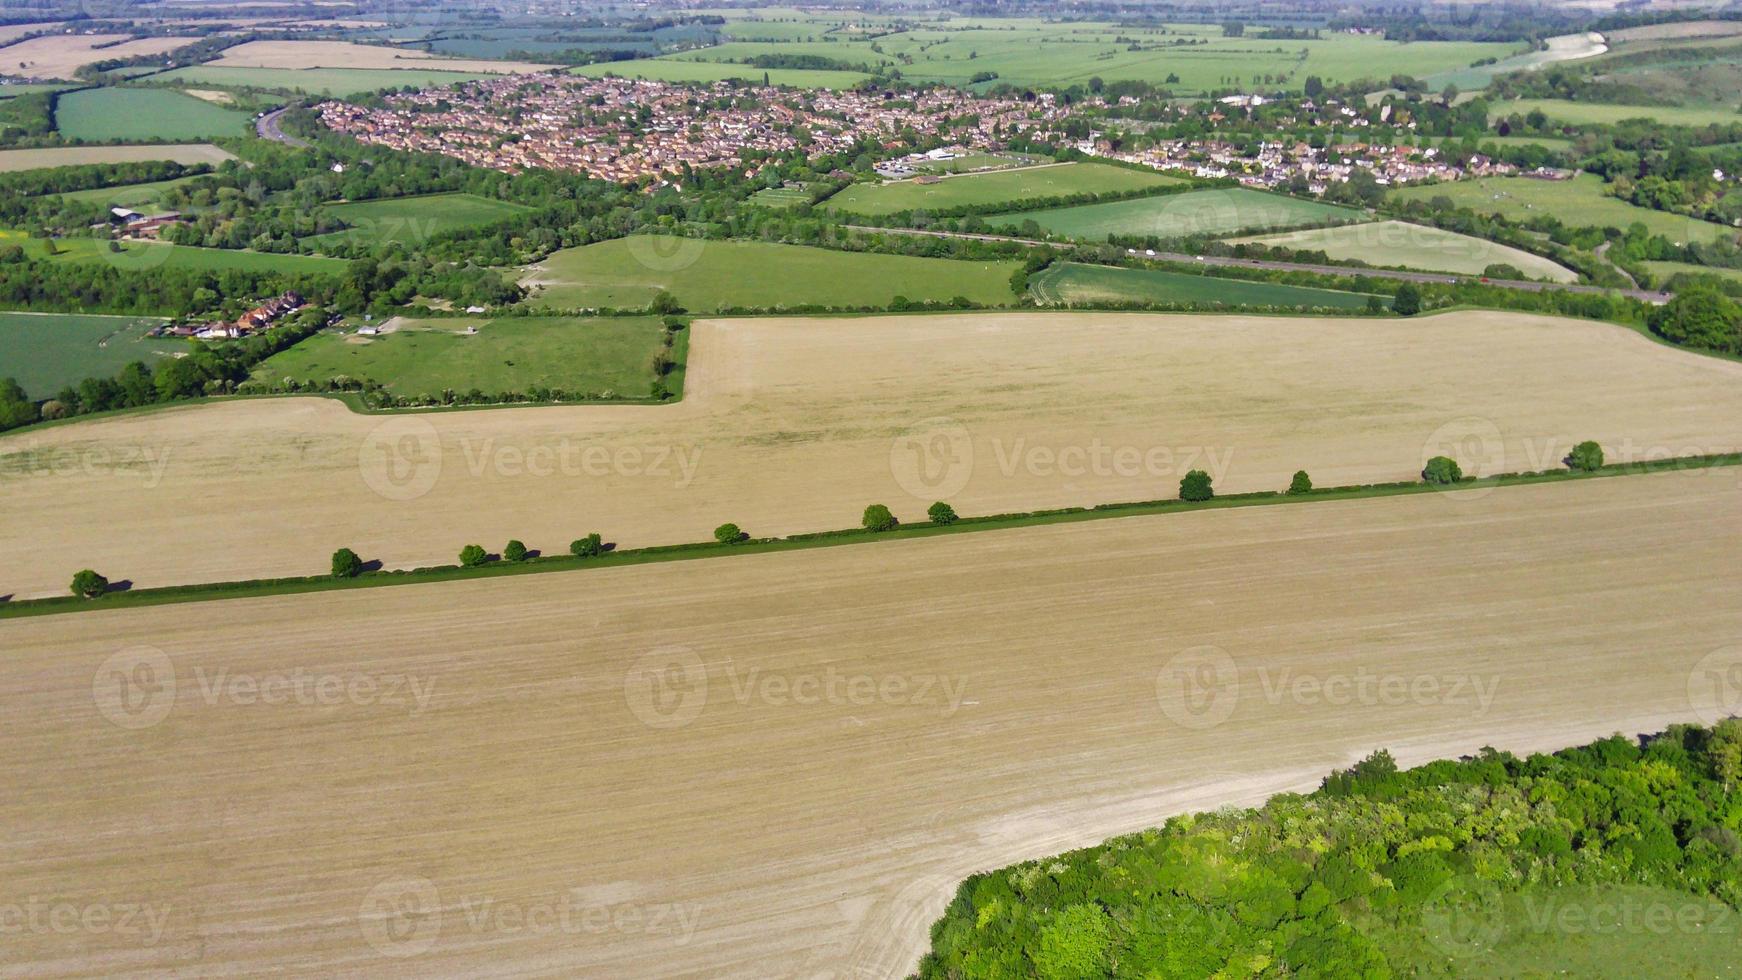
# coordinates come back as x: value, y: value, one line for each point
x: 316, y: 81
x: 70, y: 156
x: 793, y: 425
x: 1606, y: 114
x: 668, y: 70
x: 998, y: 187
x: 1211, y: 212
x: 43, y: 351
x: 413, y: 219
x: 1070, y: 282
x: 143, y: 114
x: 301, y: 55
x: 1580, y: 201
x: 60, y: 55
x: 1399, y: 243
x: 933, y: 707
x: 626, y: 273
x: 578, y: 355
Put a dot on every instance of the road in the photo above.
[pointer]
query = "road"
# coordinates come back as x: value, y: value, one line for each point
x: 1647, y: 295
x: 266, y: 127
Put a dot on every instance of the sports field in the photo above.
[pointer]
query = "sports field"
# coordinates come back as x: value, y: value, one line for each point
x: 71, y: 156
x: 782, y: 197
x: 626, y: 273
x: 998, y: 187
x: 301, y: 783
x: 667, y: 70
x: 1580, y: 201
x: 1606, y: 114
x: 316, y: 81
x: 514, y: 354
x: 44, y: 351
x: 1399, y: 243
x: 791, y: 425
x: 1213, y: 212
x: 1070, y: 282
x: 413, y: 219
x: 143, y: 114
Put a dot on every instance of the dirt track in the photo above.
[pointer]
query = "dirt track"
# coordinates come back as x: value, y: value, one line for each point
x: 843, y: 733
x: 797, y: 424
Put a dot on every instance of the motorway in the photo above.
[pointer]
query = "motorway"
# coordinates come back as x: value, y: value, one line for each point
x: 1647, y: 295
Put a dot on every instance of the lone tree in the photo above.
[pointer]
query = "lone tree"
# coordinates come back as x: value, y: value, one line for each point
x: 1407, y: 301
x: 941, y: 514
x: 473, y: 555
x: 346, y: 564
x: 728, y: 534
x: 1586, y: 456
x: 878, y: 518
x: 1442, y: 470
x: 590, y: 546
x: 89, y: 584
x: 1196, y: 486
x: 514, y: 550
x: 1300, y: 484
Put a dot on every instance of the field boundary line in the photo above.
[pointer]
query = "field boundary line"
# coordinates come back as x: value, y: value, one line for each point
x: 203, y: 592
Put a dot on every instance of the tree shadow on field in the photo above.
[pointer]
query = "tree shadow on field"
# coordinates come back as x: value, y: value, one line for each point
x: 373, y: 566
x: 125, y: 585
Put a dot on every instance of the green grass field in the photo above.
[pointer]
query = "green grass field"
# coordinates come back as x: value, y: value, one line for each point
x: 1064, y: 283
x: 1223, y: 211
x: 413, y: 219
x: 128, y: 195
x: 1399, y: 243
x: 100, y: 114
x: 1669, y: 269
x: 1579, y: 202
x: 46, y: 351
x: 709, y: 275
x: 144, y: 256
x: 669, y: 70
x: 315, y: 81
x: 1605, y: 114
x: 72, y: 156
x: 583, y: 356
x: 998, y: 187
x: 782, y: 197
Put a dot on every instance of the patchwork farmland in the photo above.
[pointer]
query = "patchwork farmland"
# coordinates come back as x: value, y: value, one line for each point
x: 998, y: 187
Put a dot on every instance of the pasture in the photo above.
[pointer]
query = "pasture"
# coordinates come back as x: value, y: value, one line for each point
x: 413, y: 219
x: 143, y: 256
x: 1668, y: 269
x: 1223, y: 211
x: 611, y: 356
x: 1581, y: 201
x: 1069, y: 282
x: 795, y: 424
x: 99, y: 114
x: 578, y: 722
x: 62, y: 55
x: 669, y: 70
x: 44, y: 351
x: 626, y: 273
x: 1399, y: 243
x: 145, y: 194
x: 72, y: 156
x: 997, y: 187
x: 338, y: 82
x: 1571, y: 113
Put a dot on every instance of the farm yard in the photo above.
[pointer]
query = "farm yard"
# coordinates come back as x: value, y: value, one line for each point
x: 412, y: 219
x: 45, y: 351
x: 705, y: 276
x: 1399, y: 243
x: 70, y: 156
x: 525, y: 704
x: 1072, y: 282
x: 1580, y: 201
x: 100, y: 114
x: 1209, y: 212
x: 997, y: 187
x: 611, y: 356
x: 790, y: 425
